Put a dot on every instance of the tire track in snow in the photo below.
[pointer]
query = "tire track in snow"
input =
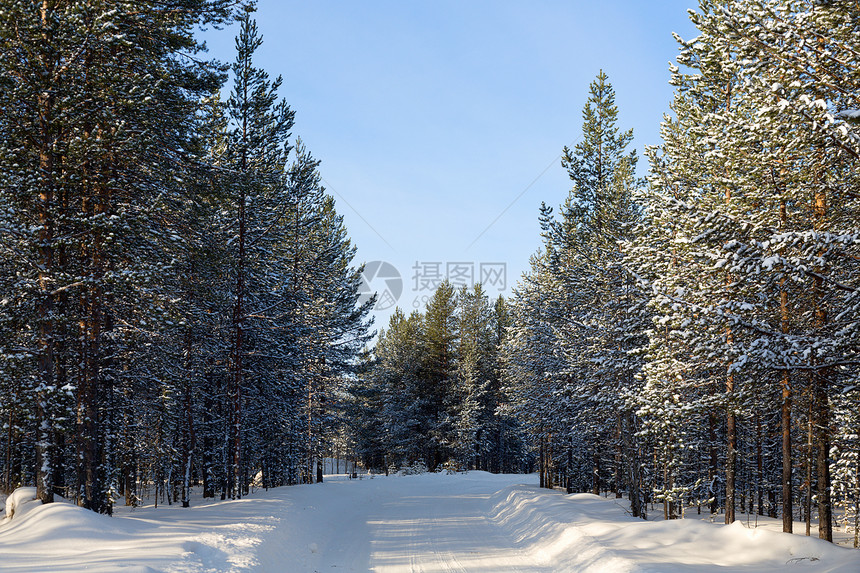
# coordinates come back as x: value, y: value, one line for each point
x: 443, y: 558
x: 448, y: 531
x: 414, y: 565
x: 447, y: 559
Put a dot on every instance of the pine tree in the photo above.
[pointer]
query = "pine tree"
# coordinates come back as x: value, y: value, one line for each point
x: 257, y: 150
x: 532, y: 363
x: 397, y: 374
x: 167, y: 256
x: 585, y: 302
x: 433, y: 392
x: 750, y: 230
x: 473, y: 401
x: 437, y: 380
x: 89, y: 138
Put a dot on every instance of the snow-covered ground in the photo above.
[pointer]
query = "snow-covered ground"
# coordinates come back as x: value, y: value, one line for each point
x: 432, y: 523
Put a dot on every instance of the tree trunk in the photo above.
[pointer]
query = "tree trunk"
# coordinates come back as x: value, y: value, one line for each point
x: 731, y: 421
x: 635, y: 477
x: 44, y: 307
x: 785, y: 424
x: 822, y: 462
x: 668, y: 509
x: 187, y: 444
x: 207, y: 462
x: 95, y: 204
x: 820, y: 384
x: 236, y: 374
x: 731, y: 453
x: 759, y: 462
x: 569, y: 467
x: 9, y: 439
x: 785, y: 410
x: 550, y: 468
x: 89, y: 451
x: 619, y: 456
x: 808, y: 460
x: 542, y: 464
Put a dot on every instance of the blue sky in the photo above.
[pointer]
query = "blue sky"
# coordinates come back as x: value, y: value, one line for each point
x: 433, y: 119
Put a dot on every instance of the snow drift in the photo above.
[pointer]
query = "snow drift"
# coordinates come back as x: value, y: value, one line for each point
x: 432, y: 522
x: 584, y: 533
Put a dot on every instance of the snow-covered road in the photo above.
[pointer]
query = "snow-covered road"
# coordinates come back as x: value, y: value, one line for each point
x: 430, y: 523
x: 424, y: 523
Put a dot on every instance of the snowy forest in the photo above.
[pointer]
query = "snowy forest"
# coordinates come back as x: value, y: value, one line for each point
x: 690, y: 340
x: 177, y: 289
x: 179, y: 297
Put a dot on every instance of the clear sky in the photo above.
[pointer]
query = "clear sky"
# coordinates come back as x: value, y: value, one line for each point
x: 440, y: 124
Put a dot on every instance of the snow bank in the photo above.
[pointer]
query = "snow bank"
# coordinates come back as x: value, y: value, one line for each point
x: 63, y: 538
x: 584, y: 532
x: 20, y: 501
x: 545, y: 524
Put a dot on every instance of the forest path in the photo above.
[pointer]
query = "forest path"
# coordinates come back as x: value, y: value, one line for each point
x: 398, y: 524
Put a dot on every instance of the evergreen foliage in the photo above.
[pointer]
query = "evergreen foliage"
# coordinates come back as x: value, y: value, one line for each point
x: 179, y: 305
x: 693, y: 341
x: 432, y: 392
x: 160, y: 249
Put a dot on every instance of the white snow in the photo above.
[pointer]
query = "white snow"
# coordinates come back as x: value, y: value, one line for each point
x: 20, y: 501
x: 432, y: 522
